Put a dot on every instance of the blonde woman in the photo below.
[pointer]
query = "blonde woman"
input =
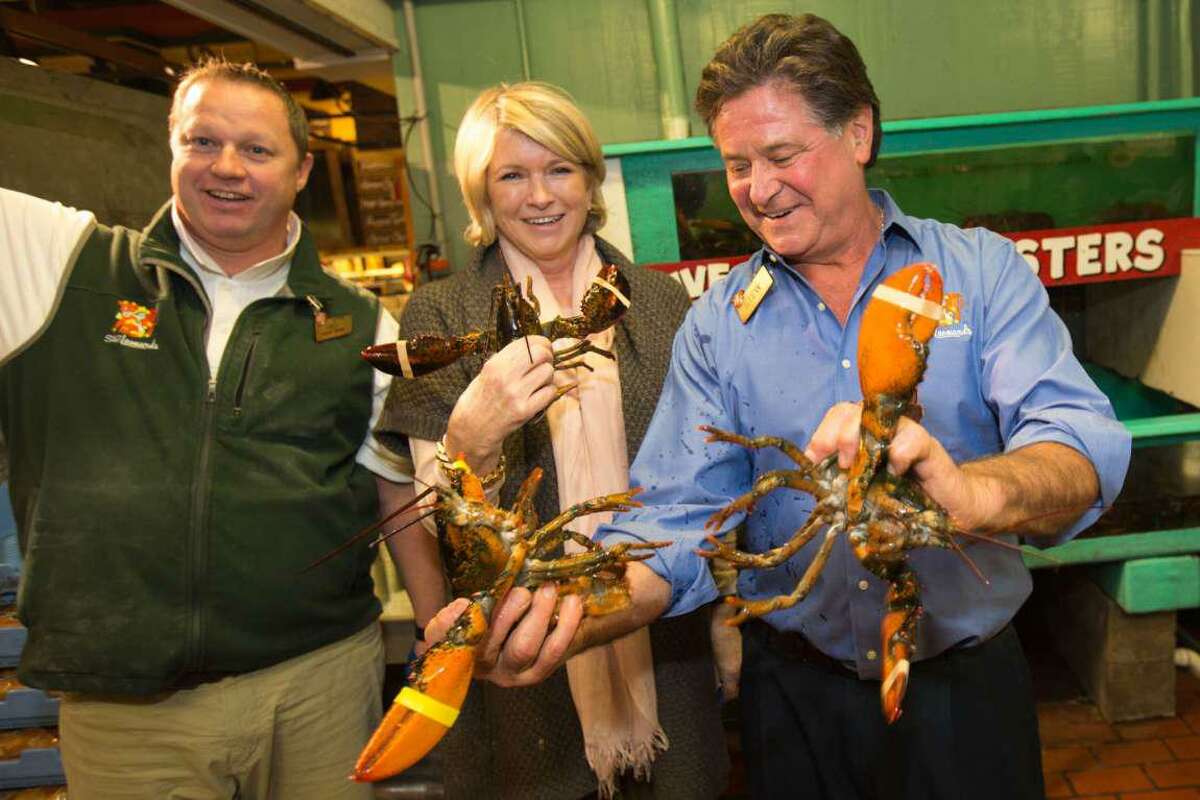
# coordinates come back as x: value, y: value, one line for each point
x: 641, y: 714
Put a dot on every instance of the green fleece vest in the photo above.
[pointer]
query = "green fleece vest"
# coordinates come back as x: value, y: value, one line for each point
x: 166, y: 518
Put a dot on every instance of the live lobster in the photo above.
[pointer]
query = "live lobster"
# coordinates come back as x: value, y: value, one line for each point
x: 489, y: 550
x: 883, y: 515
x: 514, y: 314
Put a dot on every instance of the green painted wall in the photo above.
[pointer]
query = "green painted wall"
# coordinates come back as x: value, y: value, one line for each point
x: 927, y: 58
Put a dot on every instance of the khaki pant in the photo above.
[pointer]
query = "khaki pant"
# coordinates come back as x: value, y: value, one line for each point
x: 288, y: 732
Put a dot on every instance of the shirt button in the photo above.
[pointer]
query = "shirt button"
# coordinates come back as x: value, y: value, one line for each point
x: 771, y: 259
x: 845, y: 363
x: 820, y: 306
x: 872, y: 655
x: 863, y: 585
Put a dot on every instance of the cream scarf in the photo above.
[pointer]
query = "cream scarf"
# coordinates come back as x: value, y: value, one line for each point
x: 613, y: 684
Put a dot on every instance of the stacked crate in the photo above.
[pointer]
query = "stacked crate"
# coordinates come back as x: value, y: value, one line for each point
x: 29, y: 754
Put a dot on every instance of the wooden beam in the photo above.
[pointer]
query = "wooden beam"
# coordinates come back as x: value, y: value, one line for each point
x: 44, y: 31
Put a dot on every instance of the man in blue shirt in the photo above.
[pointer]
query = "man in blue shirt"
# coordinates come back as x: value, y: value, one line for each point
x: 1015, y: 439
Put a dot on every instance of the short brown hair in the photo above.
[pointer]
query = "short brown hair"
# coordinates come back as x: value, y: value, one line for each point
x: 805, y: 52
x: 218, y: 69
x: 547, y: 115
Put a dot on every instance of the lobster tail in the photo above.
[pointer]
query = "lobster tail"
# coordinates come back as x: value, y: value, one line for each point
x: 898, y: 630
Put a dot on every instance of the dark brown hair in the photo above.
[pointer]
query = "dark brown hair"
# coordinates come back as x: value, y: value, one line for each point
x: 218, y: 69
x: 807, y: 53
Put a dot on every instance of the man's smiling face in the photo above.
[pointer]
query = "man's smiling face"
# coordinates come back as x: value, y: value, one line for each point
x: 792, y: 179
x: 235, y: 170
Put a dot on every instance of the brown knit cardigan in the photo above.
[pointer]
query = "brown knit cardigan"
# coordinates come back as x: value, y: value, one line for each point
x: 525, y: 743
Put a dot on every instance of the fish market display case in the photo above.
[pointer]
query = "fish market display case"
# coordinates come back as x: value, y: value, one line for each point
x: 1102, y: 202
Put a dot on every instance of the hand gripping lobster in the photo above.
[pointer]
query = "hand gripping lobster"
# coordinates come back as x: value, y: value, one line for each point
x: 882, y: 515
x: 514, y: 314
x: 488, y: 551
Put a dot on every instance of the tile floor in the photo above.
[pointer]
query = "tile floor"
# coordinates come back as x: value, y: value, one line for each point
x: 1159, y: 759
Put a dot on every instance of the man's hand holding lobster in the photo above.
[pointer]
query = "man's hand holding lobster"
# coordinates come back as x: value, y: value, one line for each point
x: 514, y: 386
x: 1040, y: 488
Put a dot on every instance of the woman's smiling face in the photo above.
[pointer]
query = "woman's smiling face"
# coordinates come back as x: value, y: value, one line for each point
x: 539, y: 199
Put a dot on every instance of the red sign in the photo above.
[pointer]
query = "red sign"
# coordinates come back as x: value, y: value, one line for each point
x: 1060, y: 257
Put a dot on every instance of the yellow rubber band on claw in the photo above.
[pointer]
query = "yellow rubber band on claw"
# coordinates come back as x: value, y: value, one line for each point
x: 909, y: 302
x: 616, y: 292
x: 426, y: 706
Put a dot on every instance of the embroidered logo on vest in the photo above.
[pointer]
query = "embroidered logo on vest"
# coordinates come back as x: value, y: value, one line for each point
x: 133, y: 325
x: 952, y: 326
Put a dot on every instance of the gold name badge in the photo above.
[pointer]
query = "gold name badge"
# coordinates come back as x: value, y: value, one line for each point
x: 746, y: 301
x: 326, y: 327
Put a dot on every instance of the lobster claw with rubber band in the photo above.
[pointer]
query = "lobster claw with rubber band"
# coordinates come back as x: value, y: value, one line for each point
x: 487, y: 551
x: 514, y: 315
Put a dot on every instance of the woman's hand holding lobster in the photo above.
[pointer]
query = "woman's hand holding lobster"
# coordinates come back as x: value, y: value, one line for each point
x: 514, y: 386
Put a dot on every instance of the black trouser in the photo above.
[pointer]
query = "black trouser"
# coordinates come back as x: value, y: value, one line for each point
x: 968, y: 731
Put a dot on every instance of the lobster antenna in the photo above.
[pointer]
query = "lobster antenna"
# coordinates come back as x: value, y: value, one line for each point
x: 1023, y: 549
x: 970, y: 563
x: 367, y: 531
x: 429, y: 510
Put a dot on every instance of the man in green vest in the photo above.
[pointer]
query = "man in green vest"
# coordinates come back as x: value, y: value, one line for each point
x: 188, y: 425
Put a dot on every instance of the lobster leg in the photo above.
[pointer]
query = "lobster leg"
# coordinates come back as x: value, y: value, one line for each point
x: 771, y: 558
x: 621, y: 501
x: 759, y: 443
x: 757, y: 608
x: 764, y: 485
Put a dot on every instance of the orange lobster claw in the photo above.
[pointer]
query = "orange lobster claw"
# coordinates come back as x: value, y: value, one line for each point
x: 900, y: 319
x: 425, y: 709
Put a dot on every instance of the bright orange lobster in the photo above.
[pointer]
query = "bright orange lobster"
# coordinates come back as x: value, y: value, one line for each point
x: 488, y: 551
x: 883, y: 515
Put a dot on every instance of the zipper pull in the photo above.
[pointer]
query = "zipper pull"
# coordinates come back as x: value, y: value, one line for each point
x: 211, y: 395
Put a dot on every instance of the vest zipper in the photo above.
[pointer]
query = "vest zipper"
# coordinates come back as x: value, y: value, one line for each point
x: 245, y: 378
x: 197, y: 539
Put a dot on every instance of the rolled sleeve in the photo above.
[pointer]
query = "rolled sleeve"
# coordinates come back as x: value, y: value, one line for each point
x: 683, y: 480
x: 1038, y: 390
x: 373, y: 454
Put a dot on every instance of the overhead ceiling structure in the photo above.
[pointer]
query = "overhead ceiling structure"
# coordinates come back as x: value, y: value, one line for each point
x: 144, y: 43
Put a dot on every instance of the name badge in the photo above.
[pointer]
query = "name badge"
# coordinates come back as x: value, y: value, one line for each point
x: 746, y: 301
x: 326, y: 327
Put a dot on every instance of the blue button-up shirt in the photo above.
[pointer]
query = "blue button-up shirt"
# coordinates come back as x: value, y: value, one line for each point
x: 1000, y: 377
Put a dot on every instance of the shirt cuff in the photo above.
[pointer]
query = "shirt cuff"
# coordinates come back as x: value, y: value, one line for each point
x: 384, y: 462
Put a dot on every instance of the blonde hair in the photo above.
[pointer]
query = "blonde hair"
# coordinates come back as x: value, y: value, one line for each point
x: 548, y: 116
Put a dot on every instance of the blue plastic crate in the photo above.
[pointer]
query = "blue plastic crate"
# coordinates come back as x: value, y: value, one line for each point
x: 27, y: 707
x: 41, y: 766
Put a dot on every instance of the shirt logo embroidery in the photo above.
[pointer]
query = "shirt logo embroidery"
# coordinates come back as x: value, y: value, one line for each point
x: 952, y: 326
x: 133, y: 325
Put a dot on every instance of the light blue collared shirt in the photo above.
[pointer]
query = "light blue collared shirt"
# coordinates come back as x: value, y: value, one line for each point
x: 1001, y: 378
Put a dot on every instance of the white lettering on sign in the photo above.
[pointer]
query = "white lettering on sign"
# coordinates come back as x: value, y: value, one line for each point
x: 1150, y: 250
x: 1116, y: 253
x: 700, y: 277
x: 1096, y: 253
